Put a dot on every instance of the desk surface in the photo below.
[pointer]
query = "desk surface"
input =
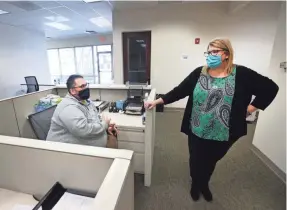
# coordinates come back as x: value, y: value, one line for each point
x: 8, y: 199
x: 125, y: 121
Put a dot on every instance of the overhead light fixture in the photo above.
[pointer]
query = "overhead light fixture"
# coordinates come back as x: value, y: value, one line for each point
x: 59, y: 26
x: 57, y: 18
x: 101, y: 22
x: 2, y: 12
x: 91, y: 1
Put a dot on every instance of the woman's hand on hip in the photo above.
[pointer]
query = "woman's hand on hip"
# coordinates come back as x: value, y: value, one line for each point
x: 251, y: 109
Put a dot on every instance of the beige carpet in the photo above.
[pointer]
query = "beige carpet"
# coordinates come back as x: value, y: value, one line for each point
x: 240, y: 181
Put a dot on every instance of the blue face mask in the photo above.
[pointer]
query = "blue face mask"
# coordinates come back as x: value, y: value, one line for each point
x: 213, y: 61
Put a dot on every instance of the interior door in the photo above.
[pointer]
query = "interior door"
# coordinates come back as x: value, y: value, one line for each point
x: 136, y: 56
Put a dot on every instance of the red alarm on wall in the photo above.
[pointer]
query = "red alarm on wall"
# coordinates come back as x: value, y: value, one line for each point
x: 197, y: 40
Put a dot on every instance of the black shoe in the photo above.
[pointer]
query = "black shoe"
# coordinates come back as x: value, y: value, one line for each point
x: 194, y: 193
x: 207, y: 194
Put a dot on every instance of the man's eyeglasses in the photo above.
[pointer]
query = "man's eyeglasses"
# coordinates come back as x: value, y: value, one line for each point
x: 82, y: 86
x: 212, y: 52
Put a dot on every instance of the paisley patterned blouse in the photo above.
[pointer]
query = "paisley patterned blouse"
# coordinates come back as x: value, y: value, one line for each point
x: 212, y: 100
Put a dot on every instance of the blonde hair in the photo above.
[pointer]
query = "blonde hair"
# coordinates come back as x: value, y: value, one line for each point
x: 224, y: 44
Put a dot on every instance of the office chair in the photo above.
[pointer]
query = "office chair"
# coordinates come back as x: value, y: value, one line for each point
x: 41, y: 122
x: 32, y: 84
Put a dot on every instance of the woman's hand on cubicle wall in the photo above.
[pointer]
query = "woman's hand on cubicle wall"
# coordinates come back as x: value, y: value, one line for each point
x: 149, y: 104
x: 152, y: 104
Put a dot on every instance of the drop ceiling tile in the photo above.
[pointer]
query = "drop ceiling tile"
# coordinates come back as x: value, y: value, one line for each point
x: 82, y: 8
x: 47, y: 4
x: 10, y: 8
x: 25, y: 18
x: 78, y: 14
x: 101, y: 7
x: 25, y: 5
x: 65, y: 12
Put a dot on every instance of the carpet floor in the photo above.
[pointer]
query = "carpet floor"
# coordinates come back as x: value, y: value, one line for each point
x: 241, y: 181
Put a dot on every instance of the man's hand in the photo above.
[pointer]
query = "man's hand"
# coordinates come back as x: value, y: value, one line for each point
x: 106, y: 119
x: 112, y: 124
x: 112, y: 129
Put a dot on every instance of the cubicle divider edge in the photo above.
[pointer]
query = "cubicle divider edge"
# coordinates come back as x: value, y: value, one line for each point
x: 149, y: 139
x: 8, y: 119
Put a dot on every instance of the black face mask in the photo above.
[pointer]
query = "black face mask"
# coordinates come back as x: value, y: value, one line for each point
x: 84, y: 94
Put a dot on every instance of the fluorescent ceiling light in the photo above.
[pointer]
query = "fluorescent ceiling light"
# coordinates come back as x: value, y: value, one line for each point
x: 59, y: 26
x: 101, y: 22
x: 2, y: 12
x: 90, y: 1
x: 57, y: 18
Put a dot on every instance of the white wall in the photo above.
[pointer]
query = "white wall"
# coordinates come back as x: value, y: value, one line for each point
x: 22, y: 53
x: 270, y: 133
x: 175, y: 26
x: 80, y: 41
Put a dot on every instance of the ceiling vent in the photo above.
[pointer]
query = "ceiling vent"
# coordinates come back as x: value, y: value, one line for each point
x: 91, y: 32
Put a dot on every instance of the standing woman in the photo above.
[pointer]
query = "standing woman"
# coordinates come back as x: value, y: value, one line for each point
x: 215, y: 115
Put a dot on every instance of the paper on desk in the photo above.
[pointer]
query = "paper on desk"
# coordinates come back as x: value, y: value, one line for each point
x: 74, y: 202
x: 24, y: 207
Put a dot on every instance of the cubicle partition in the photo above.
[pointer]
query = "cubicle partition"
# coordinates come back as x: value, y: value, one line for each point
x: 104, y: 92
x: 24, y: 106
x: 14, y: 112
x: 30, y: 167
x: 62, y: 91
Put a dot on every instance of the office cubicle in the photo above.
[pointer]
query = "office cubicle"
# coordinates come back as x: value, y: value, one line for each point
x: 29, y: 167
x: 16, y: 110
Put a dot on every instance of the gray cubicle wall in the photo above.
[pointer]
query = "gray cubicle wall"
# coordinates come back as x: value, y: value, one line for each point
x: 8, y: 121
x: 14, y: 112
x: 108, y: 94
x: 32, y: 167
x: 95, y: 93
x: 24, y: 106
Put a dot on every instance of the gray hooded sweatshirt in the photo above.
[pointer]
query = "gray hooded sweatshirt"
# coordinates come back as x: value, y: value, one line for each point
x: 77, y: 122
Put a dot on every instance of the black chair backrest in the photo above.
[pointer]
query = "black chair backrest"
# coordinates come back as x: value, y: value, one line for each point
x: 32, y: 84
x: 41, y: 122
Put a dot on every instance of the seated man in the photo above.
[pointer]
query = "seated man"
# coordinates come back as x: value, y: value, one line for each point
x: 76, y: 119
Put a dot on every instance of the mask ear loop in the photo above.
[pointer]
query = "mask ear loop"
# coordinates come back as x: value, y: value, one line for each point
x: 227, y: 53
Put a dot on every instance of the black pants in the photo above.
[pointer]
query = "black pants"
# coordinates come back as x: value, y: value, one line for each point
x: 204, y: 155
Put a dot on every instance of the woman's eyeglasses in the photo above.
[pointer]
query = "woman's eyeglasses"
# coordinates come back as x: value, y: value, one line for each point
x: 212, y: 52
x: 82, y: 86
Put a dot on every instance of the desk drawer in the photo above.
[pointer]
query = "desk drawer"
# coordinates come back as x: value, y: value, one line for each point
x: 138, y: 161
x: 131, y: 136
x: 136, y: 147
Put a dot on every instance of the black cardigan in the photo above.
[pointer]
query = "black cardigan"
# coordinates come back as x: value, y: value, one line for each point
x: 247, y: 83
